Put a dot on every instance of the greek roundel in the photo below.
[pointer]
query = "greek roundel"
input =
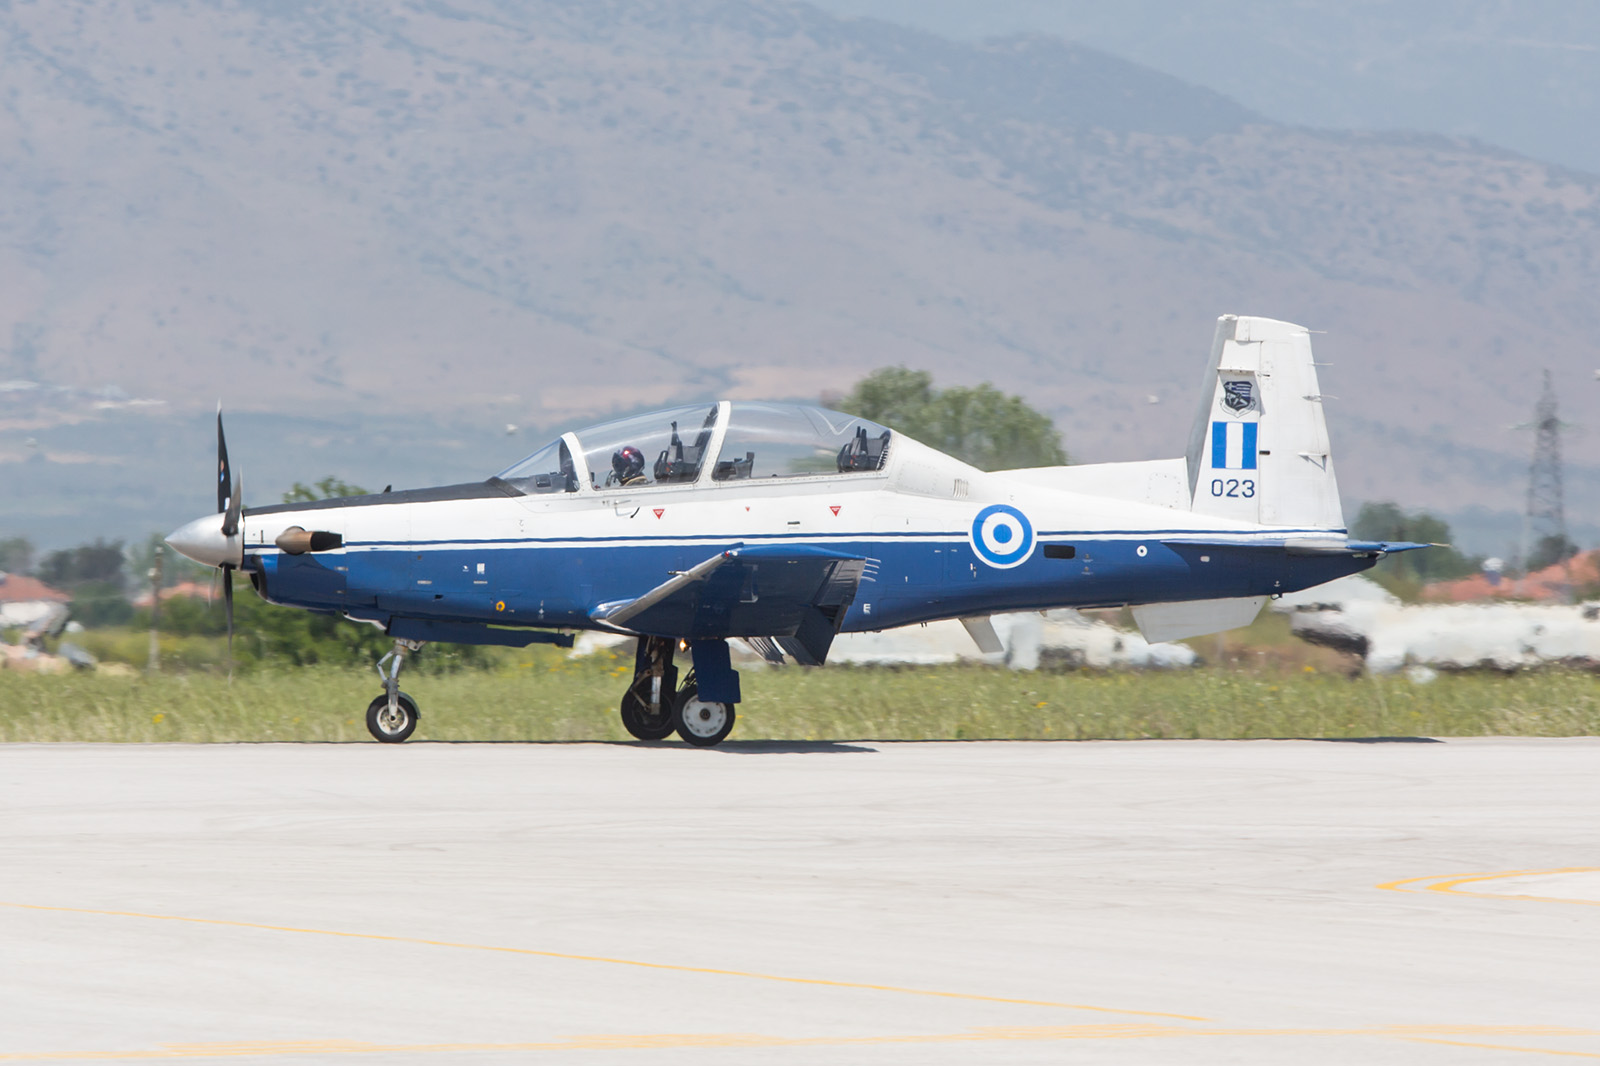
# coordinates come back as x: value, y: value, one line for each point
x: 1002, y: 536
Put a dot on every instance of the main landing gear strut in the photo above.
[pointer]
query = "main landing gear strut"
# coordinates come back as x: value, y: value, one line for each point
x: 392, y: 717
x: 655, y: 706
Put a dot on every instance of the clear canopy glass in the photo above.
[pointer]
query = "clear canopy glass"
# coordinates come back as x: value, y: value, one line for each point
x: 773, y: 440
x: 550, y: 469
x: 659, y: 448
x: 764, y: 440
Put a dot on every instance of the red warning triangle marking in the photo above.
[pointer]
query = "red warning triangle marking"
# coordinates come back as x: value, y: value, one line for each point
x: 835, y: 509
x: 659, y: 511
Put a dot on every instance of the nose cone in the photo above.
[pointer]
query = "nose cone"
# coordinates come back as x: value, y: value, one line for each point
x: 202, y: 541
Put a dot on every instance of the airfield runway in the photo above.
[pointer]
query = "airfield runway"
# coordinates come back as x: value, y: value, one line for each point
x: 1261, y: 902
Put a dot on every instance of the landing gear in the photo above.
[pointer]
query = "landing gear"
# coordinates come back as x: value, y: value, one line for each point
x: 700, y: 723
x: 654, y: 707
x: 647, y: 706
x: 391, y: 725
x: 392, y: 717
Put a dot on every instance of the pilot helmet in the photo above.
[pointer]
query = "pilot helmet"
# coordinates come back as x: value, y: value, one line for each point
x: 628, y: 463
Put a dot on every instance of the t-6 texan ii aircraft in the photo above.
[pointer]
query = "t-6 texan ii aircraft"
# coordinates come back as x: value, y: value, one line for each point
x: 784, y: 525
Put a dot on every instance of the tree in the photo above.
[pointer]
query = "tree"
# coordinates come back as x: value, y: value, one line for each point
x: 100, y: 562
x: 100, y: 603
x: 1550, y: 550
x: 1386, y: 520
x: 266, y: 631
x: 328, y: 488
x: 982, y: 426
x: 16, y: 555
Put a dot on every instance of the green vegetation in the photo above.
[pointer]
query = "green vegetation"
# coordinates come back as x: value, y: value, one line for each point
x: 264, y: 635
x: 16, y: 555
x: 542, y: 695
x: 1550, y: 550
x: 1405, y: 574
x: 328, y: 488
x: 982, y: 426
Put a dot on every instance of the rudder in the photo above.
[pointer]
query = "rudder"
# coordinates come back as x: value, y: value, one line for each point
x: 1258, y: 451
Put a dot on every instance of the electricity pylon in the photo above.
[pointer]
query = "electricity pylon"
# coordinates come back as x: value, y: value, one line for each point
x: 1545, y: 516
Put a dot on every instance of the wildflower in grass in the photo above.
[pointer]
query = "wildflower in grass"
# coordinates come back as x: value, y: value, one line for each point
x: 158, y: 718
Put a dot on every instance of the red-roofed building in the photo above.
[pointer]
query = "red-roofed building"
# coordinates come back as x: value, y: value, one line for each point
x: 1553, y: 584
x: 25, y: 600
x: 192, y: 589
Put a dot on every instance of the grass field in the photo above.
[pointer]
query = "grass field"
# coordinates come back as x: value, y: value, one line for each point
x: 541, y: 695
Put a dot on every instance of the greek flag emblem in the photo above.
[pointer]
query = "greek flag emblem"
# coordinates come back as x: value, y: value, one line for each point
x: 1233, y: 445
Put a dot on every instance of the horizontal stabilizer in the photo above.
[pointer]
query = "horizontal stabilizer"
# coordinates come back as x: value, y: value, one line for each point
x: 1315, y: 544
x: 1387, y: 547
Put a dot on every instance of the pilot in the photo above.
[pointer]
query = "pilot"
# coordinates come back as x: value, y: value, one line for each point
x: 627, y: 466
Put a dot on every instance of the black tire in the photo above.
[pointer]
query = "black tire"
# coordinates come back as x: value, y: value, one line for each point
x: 639, y: 722
x: 705, y: 725
x: 392, y: 732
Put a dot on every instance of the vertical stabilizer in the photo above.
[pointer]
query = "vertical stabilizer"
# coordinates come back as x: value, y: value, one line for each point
x: 1259, y: 450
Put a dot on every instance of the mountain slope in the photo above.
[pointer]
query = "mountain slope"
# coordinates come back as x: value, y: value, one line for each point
x: 528, y: 213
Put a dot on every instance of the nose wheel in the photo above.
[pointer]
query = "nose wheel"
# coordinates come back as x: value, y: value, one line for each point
x: 392, y: 717
x: 700, y: 723
x: 392, y: 724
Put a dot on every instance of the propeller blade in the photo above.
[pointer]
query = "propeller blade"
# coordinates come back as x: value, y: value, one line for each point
x: 230, y: 517
x: 227, y: 609
x: 224, y: 473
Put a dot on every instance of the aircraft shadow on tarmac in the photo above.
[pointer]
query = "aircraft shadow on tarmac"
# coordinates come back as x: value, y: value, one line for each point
x: 1377, y: 740
x: 731, y: 747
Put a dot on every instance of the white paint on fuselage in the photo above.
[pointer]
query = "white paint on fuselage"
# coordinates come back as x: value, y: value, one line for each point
x: 801, y: 510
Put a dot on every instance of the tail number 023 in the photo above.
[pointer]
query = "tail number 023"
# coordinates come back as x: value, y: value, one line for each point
x: 1233, y: 488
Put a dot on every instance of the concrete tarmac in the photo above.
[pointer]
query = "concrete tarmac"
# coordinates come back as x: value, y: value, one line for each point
x: 1260, y: 902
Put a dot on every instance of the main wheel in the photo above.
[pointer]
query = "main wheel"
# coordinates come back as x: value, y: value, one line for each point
x: 392, y: 727
x: 637, y: 719
x: 700, y: 723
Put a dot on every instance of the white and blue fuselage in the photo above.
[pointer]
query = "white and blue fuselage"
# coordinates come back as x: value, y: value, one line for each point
x: 785, y: 525
x: 940, y: 539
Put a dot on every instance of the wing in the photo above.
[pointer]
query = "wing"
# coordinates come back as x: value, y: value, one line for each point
x: 796, y: 594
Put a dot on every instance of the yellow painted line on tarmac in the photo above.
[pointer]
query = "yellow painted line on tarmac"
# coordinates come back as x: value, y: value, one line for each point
x: 674, y: 968
x: 1509, y: 1047
x: 1448, y: 883
x: 661, y: 1041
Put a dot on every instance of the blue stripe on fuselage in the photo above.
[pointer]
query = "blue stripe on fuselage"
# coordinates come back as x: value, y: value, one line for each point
x: 912, y: 581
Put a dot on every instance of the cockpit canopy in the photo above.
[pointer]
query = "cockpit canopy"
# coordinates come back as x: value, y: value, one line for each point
x: 761, y: 441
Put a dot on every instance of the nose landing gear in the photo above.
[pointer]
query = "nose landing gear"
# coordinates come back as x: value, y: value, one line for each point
x: 392, y: 717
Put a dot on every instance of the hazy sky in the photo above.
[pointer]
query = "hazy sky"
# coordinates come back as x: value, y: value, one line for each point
x: 1522, y: 75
